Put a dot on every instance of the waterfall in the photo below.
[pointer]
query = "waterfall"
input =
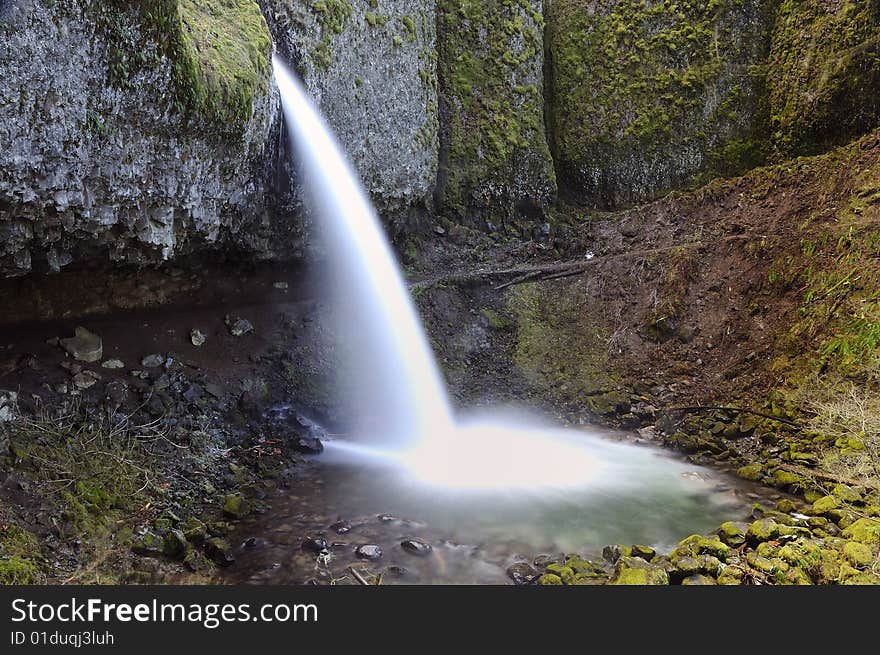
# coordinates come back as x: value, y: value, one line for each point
x: 395, y: 390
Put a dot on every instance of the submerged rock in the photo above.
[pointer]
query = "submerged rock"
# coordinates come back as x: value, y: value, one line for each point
x: 197, y: 337
x: 416, y: 547
x: 84, y: 346
x: 370, y: 552
x: 315, y: 545
x: 153, y: 361
x: 113, y: 364
x: 238, y: 327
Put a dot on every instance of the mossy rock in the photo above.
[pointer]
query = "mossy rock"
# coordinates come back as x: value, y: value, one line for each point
x: 864, y: 531
x: 730, y: 576
x: 648, y: 96
x: 550, y: 579
x: 825, y: 80
x: 19, y: 552
x: 858, y: 554
x: 218, y: 51
x: 762, y: 530
x: 149, y: 544
x: 847, y: 494
x: 636, y: 571
x: 753, y: 472
x: 496, y: 160
x: 699, y: 580
x: 786, y: 506
x: 733, y: 534
x: 565, y: 573
x: 825, y: 505
x: 713, y: 547
x: 644, y: 552
x: 863, y: 579
x: 236, y: 506
x: 194, y: 530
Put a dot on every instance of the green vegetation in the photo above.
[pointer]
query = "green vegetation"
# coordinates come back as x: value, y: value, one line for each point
x: 18, y: 556
x: 332, y: 17
x: 562, y: 347
x: 99, y: 472
x: 643, y: 91
x: 218, y: 51
x: 825, y: 82
x: 495, y: 130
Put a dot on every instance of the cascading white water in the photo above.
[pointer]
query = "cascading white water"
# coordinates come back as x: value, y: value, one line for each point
x: 396, y: 396
x: 400, y: 391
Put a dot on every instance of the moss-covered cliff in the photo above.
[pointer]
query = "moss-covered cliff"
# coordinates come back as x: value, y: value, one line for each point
x: 494, y: 158
x: 823, y: 79
x: 648, y: 96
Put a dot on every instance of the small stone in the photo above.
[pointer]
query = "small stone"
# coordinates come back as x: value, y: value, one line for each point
x: 85, y: 346
x: 308, y: 444
x: 238, y: 326
x: 416, y: 547
x: 85, y: 380
x: 113, y: 364
x: 370, y: 552
x: 280, y: 285
x: 341, y: 527
x: 522, y: 573
x: 219, y: 551
x: 8, y: 404
x: 236, y: 506
x: 197, y: 337
x: 152, y: 361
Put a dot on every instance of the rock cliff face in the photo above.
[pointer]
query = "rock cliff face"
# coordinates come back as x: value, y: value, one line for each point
x: 145, y: 131
x: 371, y: 66
x: 495, y: 161
x: 134, y: 131
x: 646, y: 97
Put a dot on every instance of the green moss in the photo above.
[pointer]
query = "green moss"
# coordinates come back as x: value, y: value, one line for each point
x: 333, y: 15
x: 561, y: 345
x: 494, y: 133
x: 18, y: 551
x: 218, y: 51
x: 647, y: 95
x: 825, y: 63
